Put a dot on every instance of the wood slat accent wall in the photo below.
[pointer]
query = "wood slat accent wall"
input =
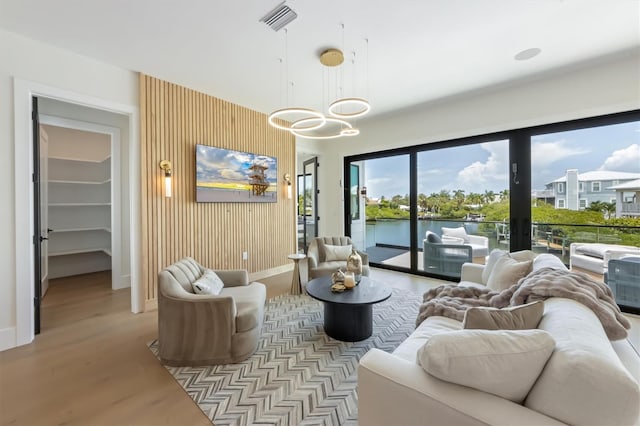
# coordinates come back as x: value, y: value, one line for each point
x: 173, y: 120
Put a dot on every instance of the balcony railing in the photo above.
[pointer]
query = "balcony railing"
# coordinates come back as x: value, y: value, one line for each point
x: 631, y: 208
x: 387, y: 241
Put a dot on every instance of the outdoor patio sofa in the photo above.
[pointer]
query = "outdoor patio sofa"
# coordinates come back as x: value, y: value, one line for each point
x: 442, y: 258
x: 594, y: 257
x: 623, y: 276
x: 445, y: 255
x: 479, y: 243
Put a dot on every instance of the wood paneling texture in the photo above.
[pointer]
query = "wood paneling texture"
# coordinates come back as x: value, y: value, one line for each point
x: 173, y: 120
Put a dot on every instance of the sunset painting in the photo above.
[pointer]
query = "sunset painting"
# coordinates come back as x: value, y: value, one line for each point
x: 224, y: 175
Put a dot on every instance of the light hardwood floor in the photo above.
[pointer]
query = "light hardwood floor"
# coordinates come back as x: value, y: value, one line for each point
x: 91, y: 365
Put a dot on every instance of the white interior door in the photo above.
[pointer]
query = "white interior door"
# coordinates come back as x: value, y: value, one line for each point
x: 44, y: 209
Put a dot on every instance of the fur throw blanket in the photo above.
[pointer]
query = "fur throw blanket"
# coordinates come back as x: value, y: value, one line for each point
x: 452, y: 301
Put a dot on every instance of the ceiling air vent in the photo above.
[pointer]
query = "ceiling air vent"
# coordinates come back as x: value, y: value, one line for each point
x: 279, y: 17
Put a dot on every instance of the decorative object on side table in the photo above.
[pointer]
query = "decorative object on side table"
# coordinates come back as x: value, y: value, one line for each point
x: 349, y: 280
x: 337, y: 281
x: 354, y: 265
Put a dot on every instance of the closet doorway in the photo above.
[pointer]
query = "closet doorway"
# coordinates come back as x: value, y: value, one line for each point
x: 78, y: 201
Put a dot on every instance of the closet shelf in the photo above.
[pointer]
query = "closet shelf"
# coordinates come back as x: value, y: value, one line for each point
x: 79, y: 182
x: 77, y: 204
x: 78, y: 160
x: 79, y: 251
x: 82, y: 229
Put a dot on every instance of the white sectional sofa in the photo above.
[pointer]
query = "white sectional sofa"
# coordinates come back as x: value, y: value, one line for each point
x: 588, y: 380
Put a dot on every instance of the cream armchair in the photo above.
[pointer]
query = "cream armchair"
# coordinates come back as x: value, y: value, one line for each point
x: 324, y: 262
x: 198, y: 329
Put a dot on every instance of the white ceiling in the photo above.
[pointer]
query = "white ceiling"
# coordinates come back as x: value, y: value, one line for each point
x: 418, y: 50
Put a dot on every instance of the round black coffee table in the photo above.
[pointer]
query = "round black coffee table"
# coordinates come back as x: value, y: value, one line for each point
x: 348, y: 316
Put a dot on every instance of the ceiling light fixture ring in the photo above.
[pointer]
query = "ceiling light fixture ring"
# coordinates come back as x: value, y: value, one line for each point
x: 353, y: 131
x: 362, y: 103
x: 313, y: 115
x: 300, y: 131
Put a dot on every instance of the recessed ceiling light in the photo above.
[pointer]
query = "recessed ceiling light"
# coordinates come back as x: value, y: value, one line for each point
x: 527, y: 54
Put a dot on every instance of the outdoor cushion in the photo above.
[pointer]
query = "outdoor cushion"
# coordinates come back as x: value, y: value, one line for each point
x: 598, y: 250
x: 447, y: 239
x: 432, y: 237
x: 593, y: 250
x: 458, y: 232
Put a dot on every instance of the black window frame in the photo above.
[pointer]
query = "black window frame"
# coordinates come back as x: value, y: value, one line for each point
x: 519, y: 140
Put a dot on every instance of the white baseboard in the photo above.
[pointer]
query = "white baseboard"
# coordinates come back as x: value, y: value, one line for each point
x: 125, y: 282
x: 256, y: 276
x: 7, y: 338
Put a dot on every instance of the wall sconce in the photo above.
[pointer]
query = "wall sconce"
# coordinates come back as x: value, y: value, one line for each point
x: 166, y: 166
x: 363, y: 190
x: 287, y: 181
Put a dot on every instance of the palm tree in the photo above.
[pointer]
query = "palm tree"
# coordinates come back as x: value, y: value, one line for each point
x: 610, y: 209
x: 489, y: 196
x: 422, y: 202
x: 475, y: 199
x: 597, y: 206
x: 458, y: 196
x: 433, y: 202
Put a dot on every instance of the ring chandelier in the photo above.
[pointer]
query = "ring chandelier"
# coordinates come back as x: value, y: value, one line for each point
x: 312, y: 122
x: 300, y: 129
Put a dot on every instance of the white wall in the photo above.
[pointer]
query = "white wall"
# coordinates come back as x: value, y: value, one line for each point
x: 33, y: 61
x: 597, y: 89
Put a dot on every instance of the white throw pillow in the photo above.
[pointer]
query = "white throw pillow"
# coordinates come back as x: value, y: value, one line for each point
x: 507, y: 272
x: 491, y: 262
x: 458, y: 232
x: 505, y: 363
x: 333, y: 253
x: 208, y: 283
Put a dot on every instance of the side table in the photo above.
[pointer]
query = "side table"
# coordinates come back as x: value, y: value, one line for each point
x: 296, y: 286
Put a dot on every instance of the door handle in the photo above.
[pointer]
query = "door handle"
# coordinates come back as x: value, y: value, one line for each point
x: 43, y: 238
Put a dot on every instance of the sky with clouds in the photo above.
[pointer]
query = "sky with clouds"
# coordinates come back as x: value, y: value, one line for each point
x: 485, y: 166
x: 228, y: 166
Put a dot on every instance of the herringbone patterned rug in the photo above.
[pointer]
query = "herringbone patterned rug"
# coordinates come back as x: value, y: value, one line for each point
x: 298, y: 375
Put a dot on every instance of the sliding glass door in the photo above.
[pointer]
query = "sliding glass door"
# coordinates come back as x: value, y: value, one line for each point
x: 463, y: 200
x: 585, y: 189
x: 539, y: 188
x: 379, y: 218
